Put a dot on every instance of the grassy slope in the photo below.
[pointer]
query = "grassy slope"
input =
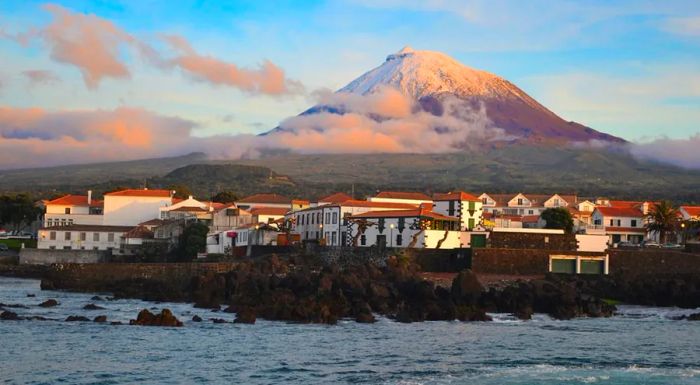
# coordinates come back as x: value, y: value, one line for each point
x: 510, y: 169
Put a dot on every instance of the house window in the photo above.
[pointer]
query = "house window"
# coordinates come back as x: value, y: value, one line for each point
x: 110, y: 237
x: 313, y: 219
x: 67, y: 235
x: 70, y: 222
x: 333, y: 238
x: 451, y: 208
x: 95, y: 237
x: 619, y: 223
x: 531, y: 212
x: 328, y: 217
x: 611, y: 222
x: 66, y: 247
x: 67, y: 210
x: 399, y: 239
x: 335, y: 218
x: 634, y: 223
x: 472, y: 205
x: 363, y: 240
x: 484, y: 201
x: 52, y: 235
x: 83, y: 236
x: 327, y: 236
x: 318, y: 217
x: 520, y: 201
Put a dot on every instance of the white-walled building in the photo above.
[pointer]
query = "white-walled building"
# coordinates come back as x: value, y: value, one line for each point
x: 328, y: 223
x: 525, y: 204
x: 82, y: 237
x: 620, y: 224
x: 131, y: 207
x: 690, y: 213
x: 467, y: 207
x: 414, y: 228
x: 73, y: 210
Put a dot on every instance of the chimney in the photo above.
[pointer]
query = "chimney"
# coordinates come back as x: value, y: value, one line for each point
x: 89, y: 197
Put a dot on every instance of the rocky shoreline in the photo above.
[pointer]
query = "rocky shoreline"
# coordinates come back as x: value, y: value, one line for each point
x: 298, y: 291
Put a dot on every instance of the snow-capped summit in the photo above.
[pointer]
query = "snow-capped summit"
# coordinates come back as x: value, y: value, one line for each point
x: 430, y: 73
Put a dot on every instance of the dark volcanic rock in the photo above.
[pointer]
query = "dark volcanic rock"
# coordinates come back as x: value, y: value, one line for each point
x: 100, y: 319
x: 219, y: 321
x: 245, y: 316
x: 365, y: 318
x: 694, y: 317
x: 165, y: 318
x: 13, y: 305
x: 76, y: 318
x: 196, y: 318
x: 10, y: 316
x: 92, y: 306
x: 31, y: 295
x: 49, y: 303
x: 97, y: 298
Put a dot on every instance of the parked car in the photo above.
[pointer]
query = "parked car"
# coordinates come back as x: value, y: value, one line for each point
x: 627, y: 245
x: 672, y: 246
x: 3, y: 247
x: 651, y: 244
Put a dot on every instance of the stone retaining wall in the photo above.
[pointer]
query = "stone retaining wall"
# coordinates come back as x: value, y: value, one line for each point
x: 654, y: 262
x: 48, y: 257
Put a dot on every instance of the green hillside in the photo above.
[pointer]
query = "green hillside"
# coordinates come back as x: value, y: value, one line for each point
x: 509, y: 169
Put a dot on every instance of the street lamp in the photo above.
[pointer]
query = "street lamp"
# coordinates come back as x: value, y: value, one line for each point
x: 391, y: 236
x: 683, y: 233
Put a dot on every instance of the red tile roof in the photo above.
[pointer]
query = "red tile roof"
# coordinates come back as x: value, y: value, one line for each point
x: 265, y: 198
x: 403, y: 195
x: 75, y: 200
x: 386, y: 205
x: 405, y: 213
x: 456, y: 195
x: 530, y: 218
x: 693, y: 211
x: 336, y: 198
x: 620, y: 211
x: 190, y: 209
x: 140, y: 193
x: 139, y: 232
x: 623, y: 204
x: 269, y: 210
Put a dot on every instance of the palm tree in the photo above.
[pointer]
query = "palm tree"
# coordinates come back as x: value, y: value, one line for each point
x: 663, y: 218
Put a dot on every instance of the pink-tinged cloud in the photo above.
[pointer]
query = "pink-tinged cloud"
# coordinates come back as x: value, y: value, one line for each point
x: 88, y: 42
x: 267, y: 79
x: 40, y: 76
x: 36, y: 137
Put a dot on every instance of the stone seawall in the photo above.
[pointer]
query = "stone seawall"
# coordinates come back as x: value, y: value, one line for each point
x: 99, y: 277
x: 630, y: 263
x: 48, y: 257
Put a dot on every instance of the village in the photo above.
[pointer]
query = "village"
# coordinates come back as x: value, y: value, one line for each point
x: 138, y: 222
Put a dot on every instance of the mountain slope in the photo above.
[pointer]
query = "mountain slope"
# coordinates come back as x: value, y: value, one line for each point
x: 431, y: 79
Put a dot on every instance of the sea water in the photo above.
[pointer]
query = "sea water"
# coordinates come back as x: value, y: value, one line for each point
x: 639, y: 345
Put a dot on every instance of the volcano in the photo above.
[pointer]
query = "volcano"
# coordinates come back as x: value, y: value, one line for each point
x: 431, y: 79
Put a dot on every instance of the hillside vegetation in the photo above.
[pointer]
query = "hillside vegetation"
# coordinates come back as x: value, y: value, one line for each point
x: 508, y: 169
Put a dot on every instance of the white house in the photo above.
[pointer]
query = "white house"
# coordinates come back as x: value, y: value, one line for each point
x: 524, y: 204
x: 415, y: 228
x: 268, y: 214
x: 620, y: 224
x: 252, y: 234
x: 328, y: 223
x: 467, y: 207
x: 131, y: 207
x: 414, y: 198
x: 82, y: 237
x: 73, y: 210
x: 690, y: 213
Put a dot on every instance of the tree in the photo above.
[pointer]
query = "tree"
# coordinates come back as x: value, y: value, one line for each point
x: 181, y: 191
x: 225, y: 197
x: 17, y: 211
x: 193, y: 240
x: 662, y: 218
x: 558, y: 218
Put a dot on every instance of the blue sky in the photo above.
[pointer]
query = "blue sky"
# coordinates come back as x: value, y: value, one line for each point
x: 629, y: 68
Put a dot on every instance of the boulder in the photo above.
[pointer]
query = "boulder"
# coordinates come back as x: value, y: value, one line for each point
x: 9, y: 316
x: 76, y: 318
x: 100, y: 319
x: 694, y: 317
x: 466, y: 287
x: 196, y: 318
x: 219, y: 321
x: 165, y: 318
x: 92, y: 306
x: 245, y: 316
x: 115, y: 323
x: 31, y: 295
x: 49, y: 303
x: 365, y: 318
x: 97, y: 298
